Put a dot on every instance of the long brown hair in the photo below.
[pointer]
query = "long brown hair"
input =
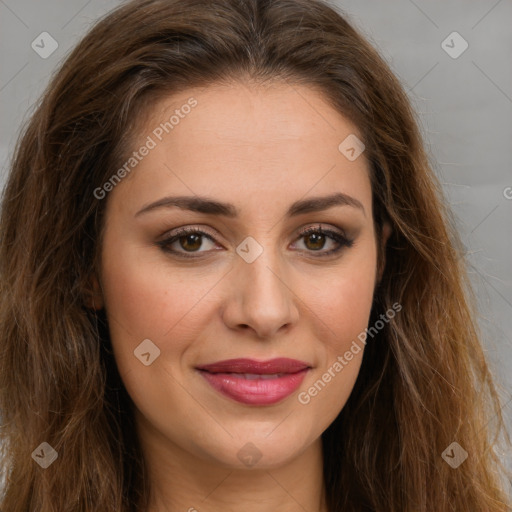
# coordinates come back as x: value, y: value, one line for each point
x: 424, y: 382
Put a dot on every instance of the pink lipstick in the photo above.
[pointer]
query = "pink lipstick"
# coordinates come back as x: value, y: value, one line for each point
x: 255, y: 382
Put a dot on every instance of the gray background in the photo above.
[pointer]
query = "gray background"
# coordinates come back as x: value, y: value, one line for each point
x: 464, y: 106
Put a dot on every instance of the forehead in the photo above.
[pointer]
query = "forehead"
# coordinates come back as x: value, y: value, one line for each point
x: 270, y: 114
x: 278, y: 138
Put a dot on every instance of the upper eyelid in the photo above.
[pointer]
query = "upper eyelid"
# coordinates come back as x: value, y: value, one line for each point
x: 300, y: 232
x: 183, y: 231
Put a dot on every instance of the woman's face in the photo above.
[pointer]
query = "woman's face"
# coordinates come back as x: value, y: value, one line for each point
x: 255, y: 167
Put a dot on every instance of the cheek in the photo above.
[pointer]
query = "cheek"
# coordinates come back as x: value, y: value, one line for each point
x: 342, y: 305
x: 343, y: 298
x: 352, y: 300
x: 145, y: 299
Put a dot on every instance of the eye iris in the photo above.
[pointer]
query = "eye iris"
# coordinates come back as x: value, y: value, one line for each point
x: 195, y: 240
x: 318, y: 240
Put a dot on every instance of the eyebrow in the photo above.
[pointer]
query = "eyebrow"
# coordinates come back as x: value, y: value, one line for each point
x: 211, y: 207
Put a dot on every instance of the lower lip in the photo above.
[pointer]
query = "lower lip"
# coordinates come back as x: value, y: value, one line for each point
x: 255, y: 391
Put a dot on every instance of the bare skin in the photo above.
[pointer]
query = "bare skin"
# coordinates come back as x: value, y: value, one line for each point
x: 260, y: 149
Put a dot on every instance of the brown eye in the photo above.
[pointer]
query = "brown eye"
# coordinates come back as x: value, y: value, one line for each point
x: 191, y: 242
x: 187, y: 241
x: 315, y: 241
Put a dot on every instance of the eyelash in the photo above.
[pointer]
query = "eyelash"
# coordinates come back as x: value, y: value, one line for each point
x: 342, y: 240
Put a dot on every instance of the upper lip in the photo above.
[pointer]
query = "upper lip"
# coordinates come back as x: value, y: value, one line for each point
x: 271, y: 366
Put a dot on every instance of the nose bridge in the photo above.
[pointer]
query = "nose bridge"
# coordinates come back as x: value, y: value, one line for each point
x: 260, y: 268
x: 264, y: 300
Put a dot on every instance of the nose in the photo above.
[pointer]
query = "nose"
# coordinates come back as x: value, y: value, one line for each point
x: 260, y: 297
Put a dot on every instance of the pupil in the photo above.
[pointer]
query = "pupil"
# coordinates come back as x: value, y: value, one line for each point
x: 191, y: 238
x: 319, y: 242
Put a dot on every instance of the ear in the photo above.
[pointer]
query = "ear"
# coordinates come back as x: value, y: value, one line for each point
x: 386, y: 233
x: 94, y: 295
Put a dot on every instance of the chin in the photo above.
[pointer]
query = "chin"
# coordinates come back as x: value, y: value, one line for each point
x: 267, y: 448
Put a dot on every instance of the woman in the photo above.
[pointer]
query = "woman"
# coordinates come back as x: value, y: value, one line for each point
x: 229, y: 280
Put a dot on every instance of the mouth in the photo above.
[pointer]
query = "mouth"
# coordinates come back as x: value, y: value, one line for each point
x: 254, y: 382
